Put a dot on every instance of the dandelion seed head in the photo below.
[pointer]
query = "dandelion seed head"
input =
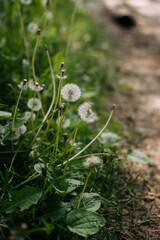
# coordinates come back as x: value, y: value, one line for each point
x: 32, y: 27
x: 23, y: 84
x: 49, y: 15
x: 44, y: 2
x: 71, y: 92
x: 91, y: 162
x: 28, y: 115
x: 18, y: 132
x: 34, y: 103
x: 26, y: 2
x: 86, y: 114
x: 34, y: 86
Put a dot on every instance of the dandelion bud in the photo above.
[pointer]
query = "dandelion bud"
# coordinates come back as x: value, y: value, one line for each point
x: 65, y: 135
x: 24, y: 82
x: 38, y: 32
x: 113, y: 107
x: 62, y: 106
x: 91, y: 162
x: 24, y: 226
x: 45, y: 47
x: 44, y: 172
x: 62, y: 65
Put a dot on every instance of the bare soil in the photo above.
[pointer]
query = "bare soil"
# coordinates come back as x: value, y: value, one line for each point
x: 138, y: 55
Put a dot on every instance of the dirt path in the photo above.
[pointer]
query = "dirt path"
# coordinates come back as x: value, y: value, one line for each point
x: 138, y: 54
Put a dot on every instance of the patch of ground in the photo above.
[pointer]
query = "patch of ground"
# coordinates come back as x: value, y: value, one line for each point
x: 138, y: 57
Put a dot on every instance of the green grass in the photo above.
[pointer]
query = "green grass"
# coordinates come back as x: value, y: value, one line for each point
x: 32, y: 164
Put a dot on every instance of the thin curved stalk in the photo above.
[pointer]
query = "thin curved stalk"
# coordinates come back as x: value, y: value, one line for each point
x: 84, y: 188
x: 93, y: 140
x: 34, y: 55
x: 70, y: 31
x: 54, y: 92
x: 23, y: 31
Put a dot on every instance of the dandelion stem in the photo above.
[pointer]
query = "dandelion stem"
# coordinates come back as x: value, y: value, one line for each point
x: 34, y: 55
x: 15, y: 111
x: 60, y: 120
x: 23, y: 31
x: 70, y: 31
x: 32, y: 109
x: 110, y: 116
x: 74, y: 138
x: 84, y: 188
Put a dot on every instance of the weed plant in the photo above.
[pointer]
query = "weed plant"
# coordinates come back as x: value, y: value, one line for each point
x: 54, y: 171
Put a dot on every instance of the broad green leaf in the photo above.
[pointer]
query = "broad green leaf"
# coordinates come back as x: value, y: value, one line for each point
x: 55, y: 176
x: 22, y: 199
x: 84, y: 222
x: 56, y: 211
x: 138, y: 157
x: 109, y: 139
x: 90, y: 201
x: 76, y: 178
x: 4, y: 115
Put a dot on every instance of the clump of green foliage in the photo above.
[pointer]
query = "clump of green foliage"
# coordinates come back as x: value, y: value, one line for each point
x: 48, y: 189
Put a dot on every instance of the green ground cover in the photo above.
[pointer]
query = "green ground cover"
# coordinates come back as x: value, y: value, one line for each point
x: 44, y: 194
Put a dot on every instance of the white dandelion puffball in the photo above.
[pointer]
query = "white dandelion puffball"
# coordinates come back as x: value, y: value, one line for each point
x: 44, y: 2
x: 18, y: 132
x: 34, y: 103
x: 23, y: 85
x: 28, y: 115
x: 32, y: 27
x: 71, y: 92
x: 65, y: 123
x: 49, y: 15
x: 26, y: 2
x: 35, y: 86
x: 86, y: 114
x: 91, y: 162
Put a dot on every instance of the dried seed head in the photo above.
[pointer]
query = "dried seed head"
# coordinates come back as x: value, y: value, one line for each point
x: 38, y: 32
x: 34, y: 103
x: 62, y: 65
x: 24, y: 82
x: 45, y: 47
x: 71, y: 92
x: 26, y: 2
x: 86, y: 114
x: 113, y: 107
x: 24, y: 226
x: 91, y: 162
x: 62, y: 106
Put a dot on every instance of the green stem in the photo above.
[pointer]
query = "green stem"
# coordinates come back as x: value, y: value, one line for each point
x: 23, y: 31
x: 110, y: 116
x: 70, y: 31
x: 34, y: 55
x: 74, y: 138
x: 84, y: 188
x: 60, y: 120
x: 15, y: 111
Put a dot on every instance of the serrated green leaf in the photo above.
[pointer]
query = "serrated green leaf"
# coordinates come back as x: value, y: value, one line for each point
x: 22, y: 199
x: 56, y: 211
x: 84, y: 222
x: 138, y: 157
x: 90, y: 201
